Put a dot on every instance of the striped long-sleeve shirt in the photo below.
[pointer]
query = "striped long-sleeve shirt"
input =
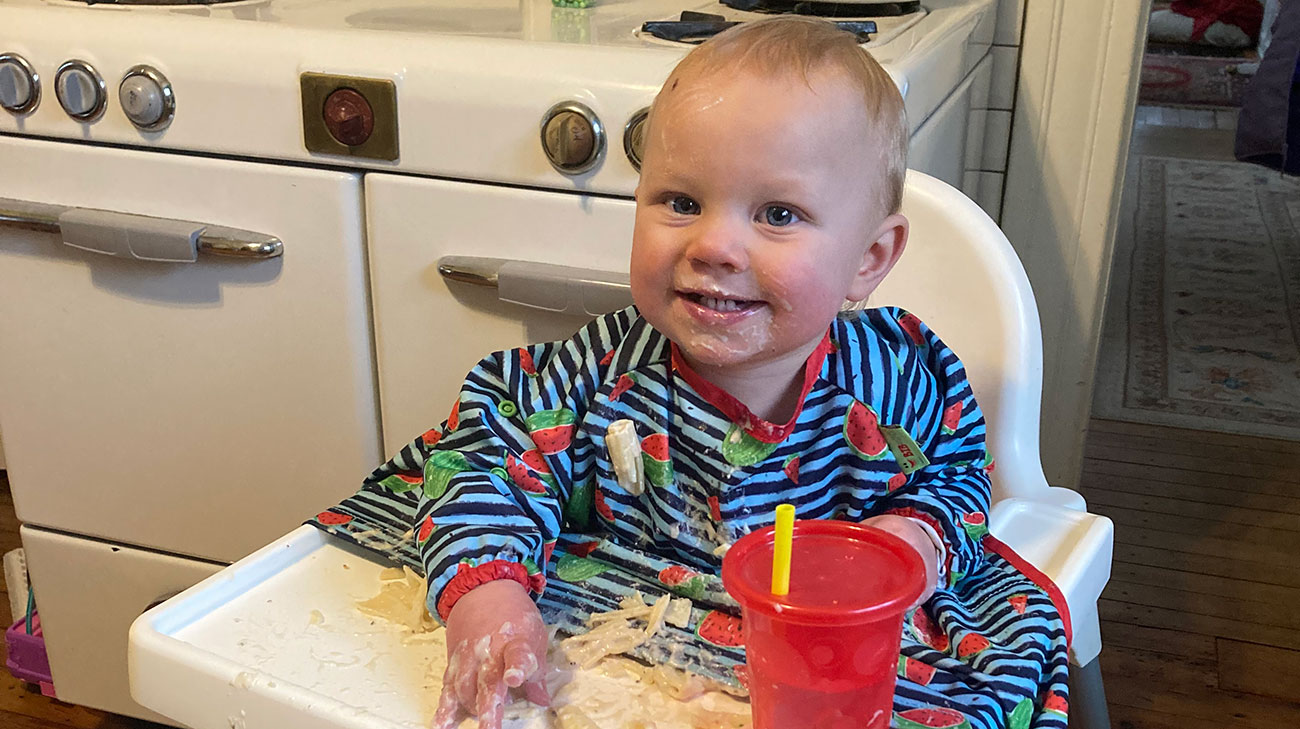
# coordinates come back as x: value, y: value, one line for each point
x: 518, y: 484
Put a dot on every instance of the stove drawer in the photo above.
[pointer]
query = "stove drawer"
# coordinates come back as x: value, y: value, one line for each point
x: 88, y: 594
x: 429, y: 330
x: 199, y: 407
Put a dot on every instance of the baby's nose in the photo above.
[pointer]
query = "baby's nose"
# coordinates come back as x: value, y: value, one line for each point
x: 719, y: 241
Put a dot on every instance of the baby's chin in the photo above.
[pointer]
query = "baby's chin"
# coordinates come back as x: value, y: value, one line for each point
x: 743, y: 345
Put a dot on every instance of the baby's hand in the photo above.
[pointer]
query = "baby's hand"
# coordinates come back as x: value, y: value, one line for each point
x: 909, y: 532
x: 496, y: 641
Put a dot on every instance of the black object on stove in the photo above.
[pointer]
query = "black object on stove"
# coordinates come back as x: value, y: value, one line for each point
x: 828, y: 8
x: 156, y: 2
x: 696, y: 27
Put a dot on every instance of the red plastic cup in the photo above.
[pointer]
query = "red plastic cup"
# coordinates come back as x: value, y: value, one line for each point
x: 826, y: 654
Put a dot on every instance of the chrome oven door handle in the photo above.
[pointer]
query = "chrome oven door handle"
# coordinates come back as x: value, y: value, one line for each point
x: 546, y: 286
x: 141, y: 237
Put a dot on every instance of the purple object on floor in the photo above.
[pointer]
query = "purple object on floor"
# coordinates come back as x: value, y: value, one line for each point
x: 27, y: 660
x: 1268, y: 128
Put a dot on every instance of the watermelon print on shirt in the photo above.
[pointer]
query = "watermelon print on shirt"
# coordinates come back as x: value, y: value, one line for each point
x: 527, y: 492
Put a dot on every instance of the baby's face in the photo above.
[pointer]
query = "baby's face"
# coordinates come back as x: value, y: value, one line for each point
x: 753, y: 214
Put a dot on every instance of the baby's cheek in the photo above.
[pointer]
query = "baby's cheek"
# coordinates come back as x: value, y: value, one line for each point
x: 795, y: 280
x: 645, y: 278
x: 802, y: 306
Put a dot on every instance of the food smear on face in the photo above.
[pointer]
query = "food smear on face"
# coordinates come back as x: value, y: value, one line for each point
x: 725, y: 343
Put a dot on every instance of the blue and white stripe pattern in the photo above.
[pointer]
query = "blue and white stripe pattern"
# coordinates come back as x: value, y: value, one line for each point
x: 525, y: 471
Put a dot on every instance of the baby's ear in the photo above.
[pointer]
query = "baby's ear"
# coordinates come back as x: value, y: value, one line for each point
x: 884, y: 247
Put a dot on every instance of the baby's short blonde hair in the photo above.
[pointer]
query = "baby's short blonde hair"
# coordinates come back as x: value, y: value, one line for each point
x: 793, y: 44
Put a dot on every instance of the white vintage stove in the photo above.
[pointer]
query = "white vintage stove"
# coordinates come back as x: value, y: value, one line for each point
x: 239, y: 246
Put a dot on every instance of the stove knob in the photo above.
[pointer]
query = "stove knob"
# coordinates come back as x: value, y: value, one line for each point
x: 146, y: 98
x: 20, y: 87
x: 572, y: 137
x: 81, y: 90
x: 634, y: 137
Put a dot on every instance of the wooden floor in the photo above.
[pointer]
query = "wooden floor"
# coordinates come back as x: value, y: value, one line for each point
x: 1199, y: 622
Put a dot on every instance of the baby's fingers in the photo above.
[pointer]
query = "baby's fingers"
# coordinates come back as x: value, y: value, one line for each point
x: 535, y: 691
x: 523, y: 668
x: 491, y: 695
x: 448, y: 714
x: 520, y: 661
x: 463, y: 676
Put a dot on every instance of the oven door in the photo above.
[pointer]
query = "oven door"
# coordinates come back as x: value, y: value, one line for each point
x: 431, y: 328
x: 166, y: 380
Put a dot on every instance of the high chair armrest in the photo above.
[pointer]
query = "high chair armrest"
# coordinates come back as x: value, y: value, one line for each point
x: 1061, y: 496
x: 1072, y: 548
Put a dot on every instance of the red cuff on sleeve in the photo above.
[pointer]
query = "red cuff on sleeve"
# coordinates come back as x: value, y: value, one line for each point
x: 948, y: 552
x: 468, y: 577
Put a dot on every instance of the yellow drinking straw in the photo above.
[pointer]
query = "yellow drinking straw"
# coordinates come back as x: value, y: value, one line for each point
x: 781, y: 556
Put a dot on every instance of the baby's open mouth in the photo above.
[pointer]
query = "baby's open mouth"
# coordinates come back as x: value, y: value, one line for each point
x: 720, y: 304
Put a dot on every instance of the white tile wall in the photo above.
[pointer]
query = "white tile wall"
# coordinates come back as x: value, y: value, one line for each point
x: 985, y: 188
x: 988, y: 192
x: 1002, y: 92
x: 997, y: 138
x: 975, y: 139
x: 985, y: 175
x: 1010, y: 21
x: 982, y: 84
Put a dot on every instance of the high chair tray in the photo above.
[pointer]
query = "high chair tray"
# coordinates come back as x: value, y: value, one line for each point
x: 276, y: 640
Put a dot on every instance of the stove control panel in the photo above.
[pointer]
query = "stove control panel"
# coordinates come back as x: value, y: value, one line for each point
x: 146, y: 98
x: 572, y: 137
x: 81, y: 90
x: 20, y: 86
x: 349, y: 115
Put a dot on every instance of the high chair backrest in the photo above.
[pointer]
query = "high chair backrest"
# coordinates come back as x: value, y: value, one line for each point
x: 960, y: 275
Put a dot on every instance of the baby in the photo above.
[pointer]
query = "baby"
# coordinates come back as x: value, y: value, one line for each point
x: 769, y: 199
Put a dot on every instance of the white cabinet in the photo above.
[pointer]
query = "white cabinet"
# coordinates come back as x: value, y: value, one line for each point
x: 429, y: 331
x: 89, y: 593
x: 196, y: 408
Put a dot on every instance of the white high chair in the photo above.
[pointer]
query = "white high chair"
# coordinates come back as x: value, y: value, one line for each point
x: 960, y: 275
x: 276, y: 639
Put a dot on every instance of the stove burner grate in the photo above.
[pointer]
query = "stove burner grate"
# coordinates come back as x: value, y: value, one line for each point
x: 696, y: 27
x: 828, y: 8
x: 155, y: 2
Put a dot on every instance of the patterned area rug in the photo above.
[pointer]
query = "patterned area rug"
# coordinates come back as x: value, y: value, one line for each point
x: 1186, y: 80
x: 1203, y: 325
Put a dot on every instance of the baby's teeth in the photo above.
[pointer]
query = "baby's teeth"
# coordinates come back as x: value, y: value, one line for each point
x: 720, y: 304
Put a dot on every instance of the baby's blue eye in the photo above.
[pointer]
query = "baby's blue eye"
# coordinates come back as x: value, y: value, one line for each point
x: 779, y: 216
x: 683, y: 205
